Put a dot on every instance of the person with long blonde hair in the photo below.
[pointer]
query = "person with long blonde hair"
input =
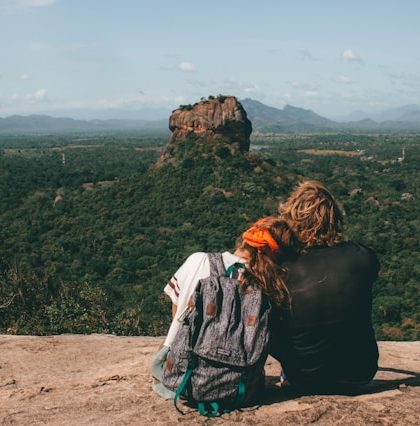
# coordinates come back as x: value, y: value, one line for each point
x: 325, y: 340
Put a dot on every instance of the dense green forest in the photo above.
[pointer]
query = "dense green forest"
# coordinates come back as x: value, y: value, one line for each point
x: 91, y: 229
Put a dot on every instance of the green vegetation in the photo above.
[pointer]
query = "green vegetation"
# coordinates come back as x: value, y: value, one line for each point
x: 97, y: 260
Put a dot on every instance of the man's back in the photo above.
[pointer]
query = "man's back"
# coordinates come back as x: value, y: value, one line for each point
x: 325, y: 340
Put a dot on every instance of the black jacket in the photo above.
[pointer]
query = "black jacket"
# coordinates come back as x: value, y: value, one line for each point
x: 324, y: 339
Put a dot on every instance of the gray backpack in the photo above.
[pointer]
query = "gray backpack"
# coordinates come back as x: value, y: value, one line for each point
x: 218, y: 355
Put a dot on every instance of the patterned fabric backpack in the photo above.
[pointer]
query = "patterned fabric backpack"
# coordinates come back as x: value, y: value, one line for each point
x: 218, y: 355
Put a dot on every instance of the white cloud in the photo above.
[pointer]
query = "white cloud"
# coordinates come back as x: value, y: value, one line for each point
x: 304, y: 90
x: 252, y: 89
x: 25, y: 77
x: 13, y: 6
x: 343, y: 79
x: 186, y: 66
x: 115, y: 102
x: 238, y: 88
x: 40, y: 95
x: 132, y: 101
x: 349, y: 55
x: 297, y: 85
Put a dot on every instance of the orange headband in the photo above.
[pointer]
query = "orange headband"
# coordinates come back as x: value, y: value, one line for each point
x: 259, y: 237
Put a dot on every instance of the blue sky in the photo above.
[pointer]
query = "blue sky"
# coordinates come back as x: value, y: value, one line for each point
x: 84, y: 58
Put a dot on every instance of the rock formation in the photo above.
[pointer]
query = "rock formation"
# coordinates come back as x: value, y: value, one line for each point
x: 105, y: 380
x: 355, y: 191
x: 372, y: 201
x: 222, y: 118
x: 406, y: 196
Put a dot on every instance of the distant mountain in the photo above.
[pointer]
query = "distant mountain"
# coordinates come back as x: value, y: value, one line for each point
x: 147, y: 114
x: 409, y: 113
x: 46, y: 123
x: 406, y: 113
x: 290, y: 118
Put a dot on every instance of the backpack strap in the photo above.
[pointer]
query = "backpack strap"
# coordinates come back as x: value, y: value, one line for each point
x: 213, y: 409
x: 181, y: 390
x: 234, y: 269
x: 217, y: 267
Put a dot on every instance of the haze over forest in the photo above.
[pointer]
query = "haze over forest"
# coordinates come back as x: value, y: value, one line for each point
x: 264, y: 118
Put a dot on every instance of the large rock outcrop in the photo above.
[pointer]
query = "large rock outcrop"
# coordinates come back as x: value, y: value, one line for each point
x: 216, y: 119
x: 105, y: 380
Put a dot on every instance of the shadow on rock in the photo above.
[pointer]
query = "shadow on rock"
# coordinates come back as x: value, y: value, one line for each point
x: 275, y: 394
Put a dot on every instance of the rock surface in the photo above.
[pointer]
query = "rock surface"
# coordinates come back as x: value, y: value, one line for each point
x: 104, y: 380
x: 221, y: 117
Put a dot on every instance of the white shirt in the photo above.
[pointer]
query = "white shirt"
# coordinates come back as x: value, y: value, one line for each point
x: 183, y: 283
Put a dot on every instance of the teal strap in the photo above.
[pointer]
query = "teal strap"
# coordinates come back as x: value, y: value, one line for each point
x: 237, y: 265
x: 181, y: 388
x: 202, y: 409
x: 215, y: 409
x: 241, y: 391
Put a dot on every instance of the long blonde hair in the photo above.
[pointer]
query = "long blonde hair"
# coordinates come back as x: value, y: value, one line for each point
x: 314, y: 215
x: 265, y: 267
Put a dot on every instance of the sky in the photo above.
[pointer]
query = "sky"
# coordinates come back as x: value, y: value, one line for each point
x: 99, y: 58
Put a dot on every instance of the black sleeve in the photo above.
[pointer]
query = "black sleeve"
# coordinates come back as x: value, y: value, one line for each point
x: 373, y: 265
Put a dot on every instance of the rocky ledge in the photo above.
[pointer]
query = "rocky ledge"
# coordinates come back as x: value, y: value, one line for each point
x: 104, y: 380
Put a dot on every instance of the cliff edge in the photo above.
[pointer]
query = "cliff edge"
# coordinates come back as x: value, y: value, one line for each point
x: 104, y: 380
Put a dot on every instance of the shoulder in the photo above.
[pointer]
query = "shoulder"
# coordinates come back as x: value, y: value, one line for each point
x: 345, y: 253
x: 360, y: 249
x: 361, y: 256
x: 196, y: 258
x: 229, y: 259
x: 194, y: 262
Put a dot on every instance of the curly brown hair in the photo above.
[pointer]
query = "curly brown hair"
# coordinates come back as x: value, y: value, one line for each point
x: 314, y: 215
x: 265, y: 267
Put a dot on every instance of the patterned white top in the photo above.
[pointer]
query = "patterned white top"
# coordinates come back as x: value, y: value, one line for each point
x: 182, y: 284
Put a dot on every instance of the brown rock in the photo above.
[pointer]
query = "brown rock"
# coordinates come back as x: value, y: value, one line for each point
x: 372, y: 201
x: 355, y: 191
x: 406, y: 196
x: 105, y: 380
x: 213, y: 119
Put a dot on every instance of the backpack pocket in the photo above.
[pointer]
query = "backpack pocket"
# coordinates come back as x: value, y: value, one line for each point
x: 235, y: 324
x: 181, y: 353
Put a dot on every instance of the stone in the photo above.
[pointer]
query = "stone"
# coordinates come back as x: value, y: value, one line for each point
x: 372, y: 201
x: 406, y: 196
x: 355, y: 191
x: 217, y: 119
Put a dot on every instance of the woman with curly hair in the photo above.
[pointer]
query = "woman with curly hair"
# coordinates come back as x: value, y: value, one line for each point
x: 262, y: 249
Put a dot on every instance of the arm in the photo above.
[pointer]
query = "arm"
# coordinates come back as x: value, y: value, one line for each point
x: 174, y: 308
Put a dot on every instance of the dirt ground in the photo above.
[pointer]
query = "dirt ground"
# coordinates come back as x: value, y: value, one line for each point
x: 104, y: 380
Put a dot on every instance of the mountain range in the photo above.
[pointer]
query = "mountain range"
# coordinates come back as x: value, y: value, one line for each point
x: 264, y: 118
x: 48, y: 124
x: 406, y: 113
x: 293, y: 119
